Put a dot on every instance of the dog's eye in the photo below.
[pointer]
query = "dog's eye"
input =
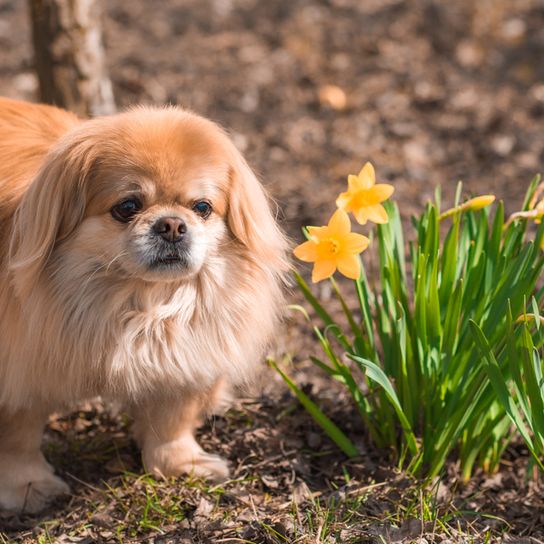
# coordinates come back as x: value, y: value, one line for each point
x: 126, y: 210
x: 202, y: 208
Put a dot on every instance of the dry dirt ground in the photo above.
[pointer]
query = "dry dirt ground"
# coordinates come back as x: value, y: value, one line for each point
x: 434, y: 92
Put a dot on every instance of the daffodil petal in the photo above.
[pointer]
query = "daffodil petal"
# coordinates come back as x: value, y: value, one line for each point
x: 343, y: 201
x: 354, y: 243
x: 354, y: 184
x: 349, y: 266
x: 323, y: 270
x: 318, y: 232
x: 376, y: 213
x: 367, y: 176
x: 382, y: 191
x: 361, y: 216
x: 306, y: 252
x: 339, y: 223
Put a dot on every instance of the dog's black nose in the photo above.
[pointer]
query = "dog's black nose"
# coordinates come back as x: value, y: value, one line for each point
x: 171, y: 229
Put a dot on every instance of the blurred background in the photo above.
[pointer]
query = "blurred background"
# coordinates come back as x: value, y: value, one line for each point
x: 430, y: 91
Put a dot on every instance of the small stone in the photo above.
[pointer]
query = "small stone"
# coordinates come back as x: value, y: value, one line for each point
x: 502, y: 144
x: 513, y: 30
x: 26, y: 84
x: 469, y: 54
x: 333, y: 96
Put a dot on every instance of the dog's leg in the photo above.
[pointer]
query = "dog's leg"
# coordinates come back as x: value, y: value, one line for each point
x: 27, y: 482
x: 165, y: 428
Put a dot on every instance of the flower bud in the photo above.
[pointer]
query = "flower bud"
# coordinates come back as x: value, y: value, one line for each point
x: 478, y: 202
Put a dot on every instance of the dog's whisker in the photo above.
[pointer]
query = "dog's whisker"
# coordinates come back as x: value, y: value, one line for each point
x: 104, y: 266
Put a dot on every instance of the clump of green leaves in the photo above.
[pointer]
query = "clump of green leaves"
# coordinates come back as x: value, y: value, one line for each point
x: 516, y: 371
x: 411, y: 353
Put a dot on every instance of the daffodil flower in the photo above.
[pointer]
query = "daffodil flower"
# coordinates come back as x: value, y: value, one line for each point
x: 363, y: 197
x: 333, y: 247
x: 476, y: 203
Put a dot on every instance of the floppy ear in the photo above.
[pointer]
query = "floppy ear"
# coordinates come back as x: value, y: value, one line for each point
x: 250, y: 218
x: 49, y: 211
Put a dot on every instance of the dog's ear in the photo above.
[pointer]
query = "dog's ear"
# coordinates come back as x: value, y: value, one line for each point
x: 50, y: 210
x: 250, y: 218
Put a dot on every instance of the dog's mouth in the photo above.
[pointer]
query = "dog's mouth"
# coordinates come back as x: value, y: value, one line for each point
x: 166, y: 260
x: 169, y: 261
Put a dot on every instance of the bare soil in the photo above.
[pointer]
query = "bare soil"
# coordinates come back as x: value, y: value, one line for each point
x: 431, y: 92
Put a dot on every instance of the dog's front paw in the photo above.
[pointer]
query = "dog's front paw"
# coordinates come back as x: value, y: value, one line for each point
x: 29, y: 487
x: 36, y: 495
x: 184, y: 456
x: 209, y: 466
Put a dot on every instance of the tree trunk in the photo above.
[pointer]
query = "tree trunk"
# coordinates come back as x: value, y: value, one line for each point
x: 69, y: 55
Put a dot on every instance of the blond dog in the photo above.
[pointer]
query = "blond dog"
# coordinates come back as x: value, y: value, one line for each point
x: 140, y: 261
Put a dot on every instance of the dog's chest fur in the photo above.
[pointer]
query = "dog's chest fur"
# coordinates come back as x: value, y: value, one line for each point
x: 115, y: 339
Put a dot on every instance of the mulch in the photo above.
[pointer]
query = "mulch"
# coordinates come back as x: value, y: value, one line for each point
x: 431, y: 92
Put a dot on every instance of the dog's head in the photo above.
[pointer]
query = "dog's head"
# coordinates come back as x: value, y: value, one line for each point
x: 151, y: 194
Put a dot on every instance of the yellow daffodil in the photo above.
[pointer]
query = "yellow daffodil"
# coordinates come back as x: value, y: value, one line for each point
x: 363, y: 197
x: 476, y: 203
x: 333, y: 247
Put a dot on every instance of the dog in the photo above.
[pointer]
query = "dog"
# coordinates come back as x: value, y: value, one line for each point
x: 139, y: 261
